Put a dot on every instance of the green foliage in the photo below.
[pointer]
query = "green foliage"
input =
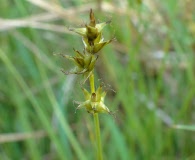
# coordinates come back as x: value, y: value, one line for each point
x: 150, y: 66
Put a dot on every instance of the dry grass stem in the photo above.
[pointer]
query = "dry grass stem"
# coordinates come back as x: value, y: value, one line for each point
x: 14, y: 137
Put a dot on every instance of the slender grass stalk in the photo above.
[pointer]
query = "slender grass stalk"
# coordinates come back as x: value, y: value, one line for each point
x: 91, y: 81
x: 85, y: 63
x: 98, y: 136
x: 96, y: 122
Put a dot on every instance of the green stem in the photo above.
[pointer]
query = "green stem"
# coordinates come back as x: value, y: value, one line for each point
x: 96, y: 122
x: 91, y: 81
x: 98, y: 137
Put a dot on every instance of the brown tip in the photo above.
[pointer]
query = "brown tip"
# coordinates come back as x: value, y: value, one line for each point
x: 93, y: 94
x: 92, y: 18
x: 93, y: 97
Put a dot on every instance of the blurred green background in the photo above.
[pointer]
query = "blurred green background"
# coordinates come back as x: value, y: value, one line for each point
x: 150, y: 67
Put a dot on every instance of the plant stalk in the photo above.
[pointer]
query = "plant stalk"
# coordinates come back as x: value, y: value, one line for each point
x: 96, y: 122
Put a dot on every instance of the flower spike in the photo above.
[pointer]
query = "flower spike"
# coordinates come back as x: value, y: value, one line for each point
x: 94, y: 102
x: 92, y: 35
x: 85, y: 63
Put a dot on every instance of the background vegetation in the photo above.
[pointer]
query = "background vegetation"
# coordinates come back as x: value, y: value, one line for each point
x: 150, y: 66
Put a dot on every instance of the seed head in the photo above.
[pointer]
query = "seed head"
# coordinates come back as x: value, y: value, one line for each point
x: 92, y: 35
x: 84, y: 63
x: 94, y: 102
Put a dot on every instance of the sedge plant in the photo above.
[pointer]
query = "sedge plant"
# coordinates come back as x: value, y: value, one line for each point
x: 85, y: 61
